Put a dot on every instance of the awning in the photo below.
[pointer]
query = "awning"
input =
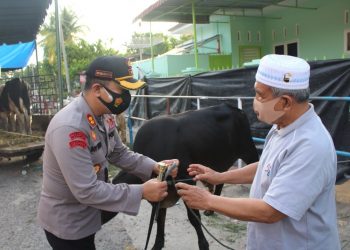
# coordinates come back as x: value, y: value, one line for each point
x: 20, y: 19
x: 181, y: 10
x: 187, y: 46
x: 15, y: 56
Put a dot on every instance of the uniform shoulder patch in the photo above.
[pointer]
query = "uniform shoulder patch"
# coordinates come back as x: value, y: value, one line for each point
x: 77, y: 135
x: 77, y: 139
x: 77, y: 143
x: 91, y: 120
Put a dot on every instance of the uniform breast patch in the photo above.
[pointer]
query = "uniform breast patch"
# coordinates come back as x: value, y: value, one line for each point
x: 111, y: 134
x: 93, y: 135
x: 96, y: 147
x: 111, y: 123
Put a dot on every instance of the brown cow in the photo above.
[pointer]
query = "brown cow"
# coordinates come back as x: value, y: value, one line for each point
x: 15, y: 106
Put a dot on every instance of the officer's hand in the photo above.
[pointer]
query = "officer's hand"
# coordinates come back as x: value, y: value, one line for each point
x: 203, y: 173
x: 173, y: 173
x: 154, y: 190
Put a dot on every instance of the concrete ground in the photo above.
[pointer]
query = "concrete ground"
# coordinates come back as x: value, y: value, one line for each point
x: 20, y: 186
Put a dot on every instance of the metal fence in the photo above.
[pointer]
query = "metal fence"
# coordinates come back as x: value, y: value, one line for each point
x: 43, y: 94
x: 239, y: 100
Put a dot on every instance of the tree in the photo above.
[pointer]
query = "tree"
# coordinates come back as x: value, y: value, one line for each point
x: 70, y: 28
x: 81, y: 53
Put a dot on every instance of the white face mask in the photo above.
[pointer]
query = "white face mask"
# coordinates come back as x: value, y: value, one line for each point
x: 266, y: 110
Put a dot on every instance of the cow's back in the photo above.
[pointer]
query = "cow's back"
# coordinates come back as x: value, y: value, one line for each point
x: 211, y: 136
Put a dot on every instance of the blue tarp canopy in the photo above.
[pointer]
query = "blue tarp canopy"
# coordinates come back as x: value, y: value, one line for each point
x: 15, y: 56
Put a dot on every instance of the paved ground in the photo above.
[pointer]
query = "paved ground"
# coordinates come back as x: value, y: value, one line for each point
x: 20, y: 187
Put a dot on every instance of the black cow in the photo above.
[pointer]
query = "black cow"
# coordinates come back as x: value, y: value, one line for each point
x: 216, y: 136
x: 15, y: 106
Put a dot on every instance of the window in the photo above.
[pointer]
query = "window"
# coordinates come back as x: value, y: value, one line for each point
x: 285, y: 32
x: 346, y: 16
x: 249, y: 36
x: 238, y: 36
x: 273, y: 35
x: 258, y: 36
x: 279, y: 49
x: 290, y: 49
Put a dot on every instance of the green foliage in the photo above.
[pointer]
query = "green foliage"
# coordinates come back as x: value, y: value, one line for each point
x: 80, y: 55
x: 79, y: 52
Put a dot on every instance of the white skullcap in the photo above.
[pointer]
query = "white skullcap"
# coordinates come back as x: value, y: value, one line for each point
x: 284, y: 72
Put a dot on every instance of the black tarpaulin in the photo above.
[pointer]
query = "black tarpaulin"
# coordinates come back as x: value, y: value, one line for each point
x: 328, y: 78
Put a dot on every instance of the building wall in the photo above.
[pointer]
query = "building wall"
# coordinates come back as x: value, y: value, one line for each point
x: 241, y: 29
x: 321, y: 31
x: 320, y: 36
x: 170, y: 65
x: 160, y: 66
x: 219, y: 25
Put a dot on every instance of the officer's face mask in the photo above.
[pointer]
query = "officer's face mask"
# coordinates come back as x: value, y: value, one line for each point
x: 266, y: 110
x: 118, y: 102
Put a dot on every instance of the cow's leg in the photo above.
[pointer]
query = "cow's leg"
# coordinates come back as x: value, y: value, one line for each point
x: 26, y: 117
x: 20, y: 123
x: 159, y: 242
x: 16, y: 117
x: 218, y: 189
x: 27, y: 122
x: 4, y: 120
x: 202, y: 241
x: 11, y: 118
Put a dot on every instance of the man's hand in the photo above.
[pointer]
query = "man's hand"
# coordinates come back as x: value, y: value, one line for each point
x: 195, y: 197
x: 168, y: 162
x: 154, y: 190
x: 203, y: 173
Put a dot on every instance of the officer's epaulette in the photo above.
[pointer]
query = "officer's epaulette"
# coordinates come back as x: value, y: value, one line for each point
x: 91, y: 120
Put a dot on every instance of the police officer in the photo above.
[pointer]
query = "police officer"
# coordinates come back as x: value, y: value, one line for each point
x: 80, y: 142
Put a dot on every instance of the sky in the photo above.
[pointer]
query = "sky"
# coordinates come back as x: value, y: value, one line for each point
x: 111, y: 19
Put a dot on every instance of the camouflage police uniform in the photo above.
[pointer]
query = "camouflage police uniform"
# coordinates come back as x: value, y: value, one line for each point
x: 77, y: 152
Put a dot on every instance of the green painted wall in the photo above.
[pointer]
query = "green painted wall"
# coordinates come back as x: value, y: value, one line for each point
x: 321, y: 36
x: 321, y: 31
x: 171, y: 65
x: 160, y: 66
x: 241, y: 27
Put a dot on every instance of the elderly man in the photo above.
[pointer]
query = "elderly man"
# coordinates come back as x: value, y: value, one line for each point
x: 292, y: 197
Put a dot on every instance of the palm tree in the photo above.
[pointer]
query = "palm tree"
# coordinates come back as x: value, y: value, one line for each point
x: 70, y: 28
